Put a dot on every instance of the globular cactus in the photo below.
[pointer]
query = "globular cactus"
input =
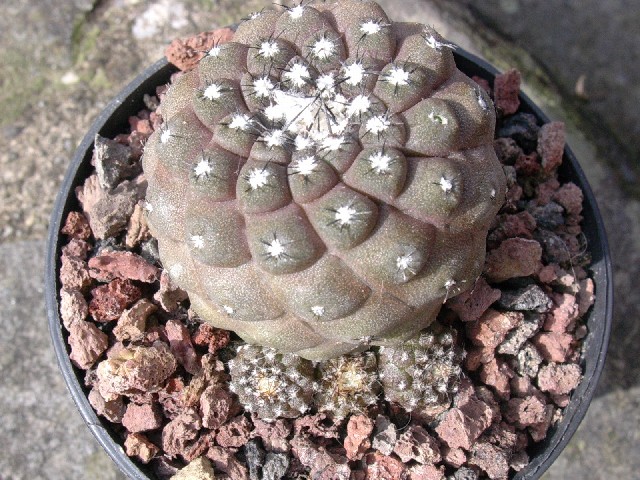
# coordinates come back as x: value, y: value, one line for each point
x: 323, y: 181
x: 271, y: 384
x: 422, y: 374
x: 348, y: 384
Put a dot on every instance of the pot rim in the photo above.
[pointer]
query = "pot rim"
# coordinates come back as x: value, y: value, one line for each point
x: 115, y: 115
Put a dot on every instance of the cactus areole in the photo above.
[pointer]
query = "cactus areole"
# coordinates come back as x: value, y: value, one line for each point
x: 324, y: 181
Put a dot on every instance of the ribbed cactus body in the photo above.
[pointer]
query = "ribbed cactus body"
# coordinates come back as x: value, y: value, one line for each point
x: 322, y: 182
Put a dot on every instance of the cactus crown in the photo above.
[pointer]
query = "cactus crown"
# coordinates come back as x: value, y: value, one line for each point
x: 323, y: 181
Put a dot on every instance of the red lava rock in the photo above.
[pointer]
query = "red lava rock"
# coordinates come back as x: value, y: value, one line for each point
x: 507, y: 150
x: 109, y: 211
x: 124, y: 265
x: 132, y: 323
x: 186, y: 53
x: 317, y: 425
x: 472, y: 304
x: 559, y: 379
x: 141, y: 125
x: 321, y: 464
x: 521, y: 224
x: 502, y: 435
x: 524, y: 412
x: 456, y: 457
x: 528, y: 165
x: 137, y: 229
x: 199, y: 447
x: 497, y: 374
x: 74, y: 274
x: 426, y: 472
x: 135, y: 368
x: 570, y: 196
x: 416, y: 444
x: 110, y: 300
x: 87, y: 343
x: 181, y: 346
x: 77, y: 226
x: 383, y: 467
x: 563, y: 314
x: 548, y: 273
x: 476, y: 356
x: 493, y: 460
x: 112, y: 410
x: 561, y: 400
x: 274, y: 434
x: 546, y: 190
x: 170, y: 295
x: 234, y: 433
x: 492, y: 328
x: 137, y: 445
x: 213, y: 338
x: 140, y: 418
x: 77, y: 248
x: 73, y: 307
x: 482, y: 82
x: 515, y: 257
x: 585, y: 296
x: 506, y: 88
x: 357, y: 441
x: 551, y: 140
x: 215, y: 406
x: 554, y: 346
x: 521, y: 386
x: 225, y: 461
x: 179, y: 432
x: 539, y: 431
x: 458, y: 430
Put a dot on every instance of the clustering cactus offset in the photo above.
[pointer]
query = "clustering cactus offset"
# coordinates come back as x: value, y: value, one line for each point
x: 323, y: 181
x: 423, y: 374
x: 271, y: 384
x: 348, y: 384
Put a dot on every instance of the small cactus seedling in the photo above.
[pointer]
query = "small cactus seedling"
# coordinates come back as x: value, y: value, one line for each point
x: 325, y: 180
x: 271, y: 384
x: 348, y: 384
x: 423, y: 374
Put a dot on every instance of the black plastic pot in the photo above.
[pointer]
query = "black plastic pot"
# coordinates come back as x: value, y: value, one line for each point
x: 113, y: 120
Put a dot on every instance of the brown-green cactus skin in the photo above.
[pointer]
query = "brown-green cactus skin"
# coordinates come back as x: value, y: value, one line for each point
x: 325, y: 180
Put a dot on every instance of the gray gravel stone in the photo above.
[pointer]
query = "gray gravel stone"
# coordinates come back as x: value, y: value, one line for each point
x: 529, y: 298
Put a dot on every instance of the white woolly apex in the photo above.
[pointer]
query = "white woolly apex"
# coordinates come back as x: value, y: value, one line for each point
x: 254, y: 15
x: 449, y: 283
x: 197, y: 241
x: 165, y: 135
x: 275, y: 249
x: 434, y: 43
x: 263, y: 87
x: 332, y: 143
x: 406, y: 264
x: 345, y: 215
x: 380, y: 162
x: 297, y: 11
x: 274, y: 112
x: 258, y: 178
x: 397, y: 76
x: 203, y: 168
x: 435, y: 117
x: 240, y: 121
x: 269, y: 49
x: 493, y: 193
x: 297, y: 74
x: 212, y: 92
x: 148, y: 207
x: 359, y: 105
x: 326, y: 83
x: 303, y: 142
x: 378, y: 124
x: 229, y: 311
x: 214, y: 51
x: 446, y: 184
x: 275, y: 138
x: 305, y: 166
x: 270, y: 354
x: 317, y: 310
x: 371, y: 27
x: 323, y: 48
x: 354, y: 73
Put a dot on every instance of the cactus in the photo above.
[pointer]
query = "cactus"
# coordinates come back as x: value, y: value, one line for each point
x: 423, y: 374
x: 271, y: 384
x: 325, y: 180
x: 348, y: 384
